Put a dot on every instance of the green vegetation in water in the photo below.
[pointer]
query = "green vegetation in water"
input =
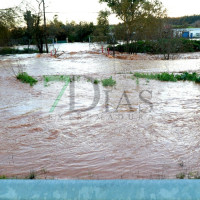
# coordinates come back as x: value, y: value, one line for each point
x: 62, y: 78
x: 56, y: 78
x: 180, y: 175
x: 32, y: 175
x: 8, y: 50
x: 72, y: 78
x: 170, y: 76
x: 193, y: 175
x: 156, y: 46
x: 3, y: 177
x: 96, y: 81
x: 190, y: 175
x: 65, y: 78
x: 25, y: 78
x: 137, y: 81
x: 108, y: 82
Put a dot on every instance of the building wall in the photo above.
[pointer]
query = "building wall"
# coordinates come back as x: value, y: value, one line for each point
x: 196, y: 33
x: 191, y: 32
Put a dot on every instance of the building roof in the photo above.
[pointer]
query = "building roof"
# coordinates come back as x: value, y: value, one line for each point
x: 187, y: 29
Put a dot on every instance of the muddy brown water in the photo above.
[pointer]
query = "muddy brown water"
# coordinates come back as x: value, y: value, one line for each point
x: 157, y: 138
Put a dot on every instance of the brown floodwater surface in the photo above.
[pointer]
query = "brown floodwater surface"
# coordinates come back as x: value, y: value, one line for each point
x: 157, y: 138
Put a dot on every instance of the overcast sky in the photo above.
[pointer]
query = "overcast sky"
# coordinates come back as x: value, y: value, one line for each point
x: 87, y: 10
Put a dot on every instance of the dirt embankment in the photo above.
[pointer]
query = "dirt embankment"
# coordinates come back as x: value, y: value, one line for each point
x: 143, y: 56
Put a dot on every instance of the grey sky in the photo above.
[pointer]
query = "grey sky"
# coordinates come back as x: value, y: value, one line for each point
x: 87, y: 10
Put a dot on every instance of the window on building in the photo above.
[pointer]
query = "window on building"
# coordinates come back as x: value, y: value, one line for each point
x: 198, y: 34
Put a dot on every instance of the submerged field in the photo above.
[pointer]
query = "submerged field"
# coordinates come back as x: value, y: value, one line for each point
x: 155, y: 136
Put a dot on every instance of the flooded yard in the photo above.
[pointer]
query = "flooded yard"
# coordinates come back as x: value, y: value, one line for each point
x: 138, y: 129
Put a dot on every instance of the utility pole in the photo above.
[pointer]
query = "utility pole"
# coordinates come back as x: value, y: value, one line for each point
x: 45, y: 28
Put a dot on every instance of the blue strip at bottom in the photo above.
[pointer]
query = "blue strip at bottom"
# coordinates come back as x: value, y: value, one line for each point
x: 99, y: 189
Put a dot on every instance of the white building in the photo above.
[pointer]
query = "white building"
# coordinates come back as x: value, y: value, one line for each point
x: 188, y: 32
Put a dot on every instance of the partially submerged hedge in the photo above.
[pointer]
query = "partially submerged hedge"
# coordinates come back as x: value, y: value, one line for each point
x: 160, y: 46
x: 7, y: 50
x: 165, y: 76
x: 25, y: 78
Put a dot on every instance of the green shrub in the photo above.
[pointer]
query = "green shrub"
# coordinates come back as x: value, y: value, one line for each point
x: 96, y: 81
x: 180, y: 176
x: 32, y: 175
x: 8, y: 50
x: 197, y: 80
x: 108, y: 82
x: 170, y: 77
x: 166, y: 77
x: 186, y: 76
x: 25, y: 78
x: 3, y: 177
x: 26, y: 50
x: 160, y: 46
x: 193, y: 175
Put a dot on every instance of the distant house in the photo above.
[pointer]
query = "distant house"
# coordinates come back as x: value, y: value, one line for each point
x: 188, y: 32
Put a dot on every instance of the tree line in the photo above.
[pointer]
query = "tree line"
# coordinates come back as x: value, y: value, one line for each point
x: 140, y: 20
x: 185, y: 21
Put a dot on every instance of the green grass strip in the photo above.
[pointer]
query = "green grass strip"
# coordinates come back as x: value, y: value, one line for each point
x: 51, y: 78
x: 165, y: 76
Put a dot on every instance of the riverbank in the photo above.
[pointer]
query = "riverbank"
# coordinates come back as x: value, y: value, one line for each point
x: 144, y: 56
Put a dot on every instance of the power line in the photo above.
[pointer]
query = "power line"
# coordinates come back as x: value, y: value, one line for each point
x: 72, y: 12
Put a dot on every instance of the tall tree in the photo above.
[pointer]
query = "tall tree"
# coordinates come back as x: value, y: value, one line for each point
x: 102, y: 21
x: 102, y: 29
x: 151, y: 22
x: 40, y: 31
x: 57, y: 29
x: 134, y: 13
x: 7, y: 22
x: 30, y: 20
x: 34, y: 30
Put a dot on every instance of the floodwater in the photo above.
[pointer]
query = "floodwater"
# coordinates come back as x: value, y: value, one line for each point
x: 156, y: 136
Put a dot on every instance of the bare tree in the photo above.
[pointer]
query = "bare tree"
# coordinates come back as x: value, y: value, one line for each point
x: 41, y: 34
